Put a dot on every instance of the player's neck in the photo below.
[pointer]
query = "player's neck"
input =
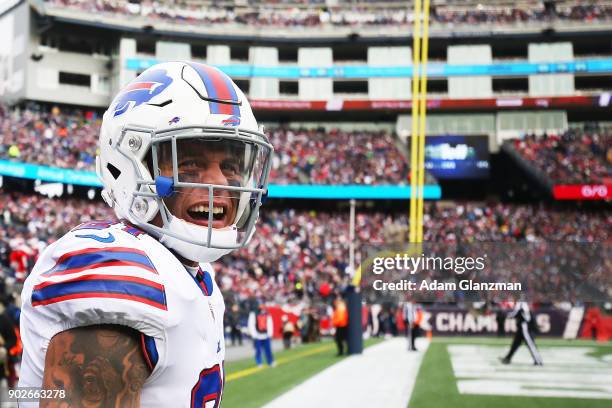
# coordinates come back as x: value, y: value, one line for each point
x: 192, y: 264
x: 185, y: 261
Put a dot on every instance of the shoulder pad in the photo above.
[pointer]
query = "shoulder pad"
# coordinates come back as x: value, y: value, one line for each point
x: 96, y: 274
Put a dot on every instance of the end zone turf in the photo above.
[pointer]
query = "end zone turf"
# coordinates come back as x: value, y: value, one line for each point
x: 465, y: 372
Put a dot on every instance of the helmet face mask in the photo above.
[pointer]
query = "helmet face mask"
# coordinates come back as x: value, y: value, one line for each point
x: 197, y: 187
x: 207, y: 185
x: 217, y: 178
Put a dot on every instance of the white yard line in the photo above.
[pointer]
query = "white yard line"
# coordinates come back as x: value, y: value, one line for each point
x: 568, y: 372
x: 383, y: 376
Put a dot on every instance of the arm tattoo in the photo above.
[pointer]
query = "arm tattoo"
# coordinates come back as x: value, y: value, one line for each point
x: 98, y: 366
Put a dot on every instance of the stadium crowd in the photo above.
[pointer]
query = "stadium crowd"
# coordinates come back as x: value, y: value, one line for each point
x: 316, y: 156
x: 68, y: 139
x: 313, y: 13
x: 297, y: 253
x: 29, y: 222
x: 522, y: 13
x: 578, y: 156
x: 61, y: 139
x: 304, y: 156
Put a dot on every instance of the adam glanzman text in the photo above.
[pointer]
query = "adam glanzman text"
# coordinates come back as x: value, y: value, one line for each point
x: 410, y: 264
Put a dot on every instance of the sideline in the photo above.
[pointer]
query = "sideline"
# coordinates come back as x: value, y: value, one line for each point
x: 383, y: 376
x: 252, y: 370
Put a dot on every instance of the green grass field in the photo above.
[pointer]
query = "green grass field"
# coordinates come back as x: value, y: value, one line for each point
x: 436, y: 385
x: 246, y: 386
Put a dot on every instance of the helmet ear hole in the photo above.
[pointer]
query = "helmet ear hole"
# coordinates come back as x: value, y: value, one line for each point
x: 244, y: 218
x: 114, y: 171
x: 149, y: 162
x: 246, y: 215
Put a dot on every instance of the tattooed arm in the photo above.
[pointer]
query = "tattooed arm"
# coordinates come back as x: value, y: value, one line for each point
x: 98, y: 366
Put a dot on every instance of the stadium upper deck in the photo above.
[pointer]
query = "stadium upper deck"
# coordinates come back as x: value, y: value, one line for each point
x: 81, y: 52
x: 524, y: 55
x: 290, y: 19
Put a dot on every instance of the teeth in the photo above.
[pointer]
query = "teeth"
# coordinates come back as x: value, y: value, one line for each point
x: 204, y: 208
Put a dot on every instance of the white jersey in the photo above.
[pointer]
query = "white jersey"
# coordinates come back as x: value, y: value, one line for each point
x: 113, y: 273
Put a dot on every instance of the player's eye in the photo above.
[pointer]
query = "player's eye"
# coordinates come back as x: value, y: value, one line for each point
x: 189, y: 171
x: 188, y: 164
x: 230, y: 168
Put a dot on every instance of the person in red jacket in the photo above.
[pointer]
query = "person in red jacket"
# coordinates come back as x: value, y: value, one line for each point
x: 19, y: 260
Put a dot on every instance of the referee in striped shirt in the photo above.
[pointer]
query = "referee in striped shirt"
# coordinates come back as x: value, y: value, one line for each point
x: 524, y: 322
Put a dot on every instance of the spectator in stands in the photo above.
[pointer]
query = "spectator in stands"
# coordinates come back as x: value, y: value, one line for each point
x: 4, y: 253
x: 21, y: 259
x: 8, y: 341
x: 14, y: 152
x: 310, y: 13
x: 578, y: 156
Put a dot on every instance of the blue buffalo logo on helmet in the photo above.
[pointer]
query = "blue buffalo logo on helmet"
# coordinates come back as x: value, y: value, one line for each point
x: 232, y: 121
x: 144, y: 88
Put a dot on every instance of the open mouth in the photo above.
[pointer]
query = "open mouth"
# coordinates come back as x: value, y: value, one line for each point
x: 199, y: 214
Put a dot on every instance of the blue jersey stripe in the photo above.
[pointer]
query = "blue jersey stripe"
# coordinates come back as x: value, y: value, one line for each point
x: 78, y: 261
x: 208, y: 282
x: 204, y: 282
x: 75, y: 287
x: 151, y: 349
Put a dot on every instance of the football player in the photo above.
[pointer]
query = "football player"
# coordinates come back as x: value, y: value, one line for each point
x: 126, y: 313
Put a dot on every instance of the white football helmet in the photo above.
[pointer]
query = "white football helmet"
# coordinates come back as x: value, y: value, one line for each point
x: 182, y: 137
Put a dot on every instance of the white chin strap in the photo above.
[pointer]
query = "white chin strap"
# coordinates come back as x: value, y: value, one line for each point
x: 195, y: 252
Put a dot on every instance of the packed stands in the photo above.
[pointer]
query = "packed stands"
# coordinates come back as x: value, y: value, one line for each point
x: 68, y: 139
x: 28, y: 216
x: 302, y: 156
x: 28, y: 223
x: 508, y: 13
x: 578, y: 156
x: 313, y: 13
x: 316, y: 156
x: 311, y: 247
x: 61, y: 139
